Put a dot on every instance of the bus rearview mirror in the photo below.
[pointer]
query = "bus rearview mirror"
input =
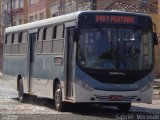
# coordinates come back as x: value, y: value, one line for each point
x: 155, y: 39
x: 76, y: 35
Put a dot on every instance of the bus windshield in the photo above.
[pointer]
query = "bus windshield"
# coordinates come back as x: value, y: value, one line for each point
x: 115, y: 49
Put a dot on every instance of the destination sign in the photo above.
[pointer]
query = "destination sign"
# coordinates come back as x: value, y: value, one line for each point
x: 114, y: 19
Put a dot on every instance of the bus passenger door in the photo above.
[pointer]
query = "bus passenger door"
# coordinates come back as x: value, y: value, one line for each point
x: 70, y: 64
x: 32, y: 40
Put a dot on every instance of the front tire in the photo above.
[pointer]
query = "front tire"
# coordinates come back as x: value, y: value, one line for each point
x: 20, y: 92
x: 59, y: 105
x: 124, y: 107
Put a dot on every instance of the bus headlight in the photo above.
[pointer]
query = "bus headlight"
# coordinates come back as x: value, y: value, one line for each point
x: 84, y: 85
x: 146, y: 87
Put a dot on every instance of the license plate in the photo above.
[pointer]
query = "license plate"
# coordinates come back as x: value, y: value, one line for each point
x: 115, y: 97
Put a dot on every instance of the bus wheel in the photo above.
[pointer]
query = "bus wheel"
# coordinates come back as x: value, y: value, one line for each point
x: 124, y: 107
x: 58, y: 98
x: 20, y: 91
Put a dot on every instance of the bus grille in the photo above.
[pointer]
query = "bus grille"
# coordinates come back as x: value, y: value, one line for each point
x: 120, y: 77
x: 117, y: 79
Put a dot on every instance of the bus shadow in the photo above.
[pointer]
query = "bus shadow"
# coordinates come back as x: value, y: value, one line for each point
x: 94, y: 110
x: 136, y: 113
x: 45, y: 102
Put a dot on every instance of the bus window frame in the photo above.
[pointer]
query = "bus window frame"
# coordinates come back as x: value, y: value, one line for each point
x: 23, y: 42
x: 58, y: 38
x: 50, y: 39
x: 15, y: 43
x: 39, y: 40
x: 8, y: 44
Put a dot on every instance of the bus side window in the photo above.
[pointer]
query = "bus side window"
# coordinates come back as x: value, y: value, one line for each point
x: 16, y: 37
x: 47, y: 43
x: 49, y: 33
x: 12, y: 39
x: 8, y: 39
x: 44, y: 33
x: 40, y: 35
x: 24, y: 37
x: 15, y: 44
x: 58, y: 45
x: 23, y: 44
x: 54, y: 32
x: 39, y: 41
x: 7, y: 46
x: 20, y: 37
x: 60, y: 31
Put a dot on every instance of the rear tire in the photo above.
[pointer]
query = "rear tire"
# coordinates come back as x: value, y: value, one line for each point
x: 124, y: 107
x: 20, y: 91
x: 59, y: 104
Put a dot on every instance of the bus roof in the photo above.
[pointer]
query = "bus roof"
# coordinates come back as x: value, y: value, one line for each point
x: 45, y: 22
x: 60, y: 19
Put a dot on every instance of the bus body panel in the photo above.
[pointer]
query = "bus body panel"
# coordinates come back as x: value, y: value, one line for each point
x: 15, y: 65
x: 44, y: 74
x: 90, y: 88
x: 100, y: 96
x: 17, y: 62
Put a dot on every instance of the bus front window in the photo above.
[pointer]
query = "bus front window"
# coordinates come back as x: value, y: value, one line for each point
x: 115, y: 49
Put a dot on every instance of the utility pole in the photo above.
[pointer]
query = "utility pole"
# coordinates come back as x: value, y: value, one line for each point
x: 11, y: 13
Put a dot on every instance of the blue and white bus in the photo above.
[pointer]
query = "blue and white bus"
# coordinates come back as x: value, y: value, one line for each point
x: 97, y: 57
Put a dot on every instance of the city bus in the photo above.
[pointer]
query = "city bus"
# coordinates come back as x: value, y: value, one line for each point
x: 93, y: 57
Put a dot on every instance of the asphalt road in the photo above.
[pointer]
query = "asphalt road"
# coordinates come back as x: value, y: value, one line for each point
x: 43, y: 109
